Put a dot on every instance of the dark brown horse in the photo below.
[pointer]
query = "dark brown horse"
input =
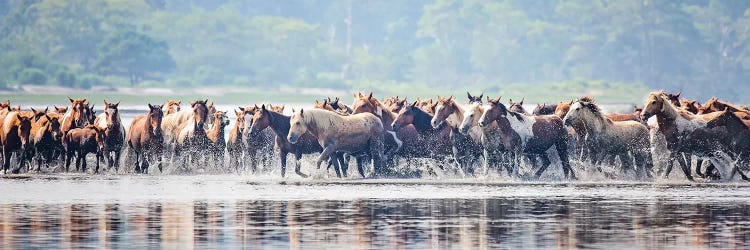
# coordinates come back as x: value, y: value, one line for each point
x: 114, y: 133
x: 145, y: 138
x: 528, y: 135
x: 15, y: 136
x: 47, y: 138
x: 235, y: 146
x: 544, y: 109
x: 79, y: 142
x: 439, y: 139
x: 740, y: 131
x: 279, y: 124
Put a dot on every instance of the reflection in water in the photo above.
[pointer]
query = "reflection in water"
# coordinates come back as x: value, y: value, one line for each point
x: 364, y: 224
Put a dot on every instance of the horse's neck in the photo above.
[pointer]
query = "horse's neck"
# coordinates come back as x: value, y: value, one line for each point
x: 422, y: 121
x: 279, y: 123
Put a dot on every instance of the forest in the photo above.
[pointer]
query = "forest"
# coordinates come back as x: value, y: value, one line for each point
x: 699, y: 47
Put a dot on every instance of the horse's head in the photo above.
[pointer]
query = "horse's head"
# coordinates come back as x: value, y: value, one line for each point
x: 298, y: 126
x: 494, y: 111
x: 78, y: 109
x: 277, y: 108
x: 220, y: 118
x: 323, y: 105
x: 61, y: 110
x: 655, y: 104
x: 200, y: 112
x: 428, y: 106
x: 516, y: 106
x: 444, y: 108
x: 16, y: 108
x: 474, y: 99
x: 673, y: 98
x: 367, y: 104
x: 261, y: 119
x: 155, y: 115
x: 53, y: 125
x: 173, y: 106
x: 247, y: 115
x: 24, y: 128
x: 5, y: 104
x: 211, y: 110
x: 112, y: 113
x: 580, y: 111
x: 562, y: 108
x: 690, y: 106
x: 38, y: 114
x: 239, y: 121
x: 471, y: 117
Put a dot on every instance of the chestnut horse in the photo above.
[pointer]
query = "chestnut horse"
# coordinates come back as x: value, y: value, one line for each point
x: 235, y: 147
x: 279, y: 124
x: 79, y: 142
x: 47, y: 138
x: 61, y: 110
x: 15, y: 134
x: 216, y: 138
x: 528, y: 135
x: 613, y: 138
x: 740, y: 131
x: 76, y: 117
x: 467, y: 149
x: 686, y: 133
x: 145, y: 138
x: 114, y: 134
x: 358, y: 134
x: 173, y: 106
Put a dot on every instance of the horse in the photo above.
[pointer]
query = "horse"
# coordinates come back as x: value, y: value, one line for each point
x: 691, y: 106
x: 613, y: 138
x: 171, y: 124
x: 325, y: 105
x: 191, y: 134
x: 517, y: 107
x: 493, y: 151
x: 280, y: 125
x: 529, y: 135
x: 467, y: 149
x: 76, y: 115
x: 427, y: 106
x: 335, y: 104
x: 47, y: 138
x: 358, y: 134
x: 146, y: 139
x: 114, y: 134
x: 61, y: 110
x: 258, y: 143
x: 685, y: 133
x: 715, y: 105
x: 544, y: 109
x: 740, y: 131
x: 15, y: 136
x: 79, y: 142
x: 235, y: 146
x: 438, y: 139
x: 173, y: 106
x: 635, y: 116
x: 216, y: 137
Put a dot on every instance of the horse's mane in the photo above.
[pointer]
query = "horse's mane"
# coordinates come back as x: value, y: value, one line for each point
x: 586, y: 99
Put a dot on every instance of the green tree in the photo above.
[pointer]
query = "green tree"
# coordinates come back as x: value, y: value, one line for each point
x: 133, y: 55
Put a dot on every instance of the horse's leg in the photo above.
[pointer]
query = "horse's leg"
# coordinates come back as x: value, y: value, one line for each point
x: 6, y: 160
x: 742, y: 161
x: 336, y: 166
x: 685, y: 168
x: 545, y: 164
x: 344, y: 165
x: 699, y: 167
x: 118, y: 154
x: 360, y: 166
x: 562, y: 152
x: 282, y: 159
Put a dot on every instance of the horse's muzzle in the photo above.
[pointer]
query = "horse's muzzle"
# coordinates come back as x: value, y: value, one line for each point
x: 645, y: 116
x: 293, y: 138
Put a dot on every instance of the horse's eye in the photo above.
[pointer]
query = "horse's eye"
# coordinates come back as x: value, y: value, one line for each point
x: 653, y: 102
x: 297, y: 123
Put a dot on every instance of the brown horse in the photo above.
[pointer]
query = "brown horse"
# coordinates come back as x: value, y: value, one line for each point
x: 279, y: 124
x: 439, y: 139
x: 235, y: 146
x: 47, y: 138
x: 173, y: 106
x: 15, y: 133
x: 325, y: 105
x: 114, y: 134
x: 740, y: 131
x: 467, y: 149
x: 76, y: 117
x: 216, y: 138
x: 259, y: 143
x: 686, y: 133
x: 358, y: 134
x: 79, y: 142
x: 517, y: 107
x: 613, y: 138
x: 61, y: 110
x: 635, y: 116
x: 145, y: 138
x: 191, y: 135
x: 494, y: 153
x: 715, y: 105
x: 528, y: 135
x: 544, y: 109
x: 335, y: 104
x: 691, y: 106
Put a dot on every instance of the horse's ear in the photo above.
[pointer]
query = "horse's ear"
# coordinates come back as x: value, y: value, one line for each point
x: 47, y: 116
x: 71, y: 99
x: 33, y: 110
x: 480, y: 96
x: 469, y: 96
x: 571, y: 102
x: 337, y: 100
x: 192, y: 103
x: 46, y: 109
x: 301, y: 111
x: 263, y: 107
x: 117, y: 104
x: 316, y: 102
x: 150, y: 106
x: 522, y: 99
x: 369, y: 97
x: 256, y: 106
x: 282, y: 108
x: 18, y: 115
x: 678, y: 94
x: 415, y: 103
x: 105, y: 103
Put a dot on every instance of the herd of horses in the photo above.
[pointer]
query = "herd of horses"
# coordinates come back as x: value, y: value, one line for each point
x: 391, y: 137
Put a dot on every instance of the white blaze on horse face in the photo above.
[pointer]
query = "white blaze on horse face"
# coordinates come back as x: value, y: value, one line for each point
x: 434, y: 120
x: 524, y: 127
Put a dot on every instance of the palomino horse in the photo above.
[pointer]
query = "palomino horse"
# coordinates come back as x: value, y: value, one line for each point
x: 494, y: 153
x: 15, y: 134
x: 79, y: 142
x: 258, y: 143
x: 438, y: 139
x: 544, y: 109
x: 358, y: 134
x: 467, y: 149
x: 47, y: 138
x: 235, y: 146
x: 279, y: 123
x: 685, y: 133
x: 76, y: 117
x: 740, y: 131
x: 114, y: 134
x: 173, y: 106
x: 216, y: 137
x: 145, y: 138
x: 529, y: 135
x: 191, y: 134
x: 614, y: 138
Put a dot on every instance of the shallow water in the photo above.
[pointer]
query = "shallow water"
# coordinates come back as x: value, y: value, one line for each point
x: 230, y: 211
